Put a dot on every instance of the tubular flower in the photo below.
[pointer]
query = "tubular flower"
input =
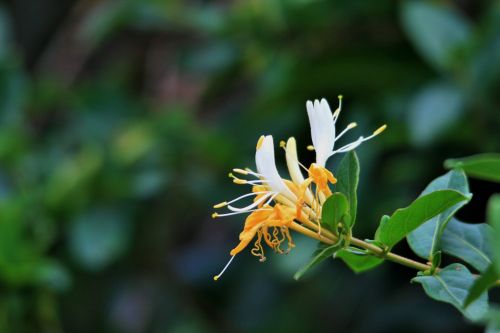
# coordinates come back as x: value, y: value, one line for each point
x: 323, y: 134
x: 279, y: 204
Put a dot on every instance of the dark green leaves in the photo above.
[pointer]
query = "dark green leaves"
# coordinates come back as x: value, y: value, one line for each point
x: 436, y: 31
x: 469, y: 242
x: 321, y: 254
x: 405, y: 220
x: 451, y: 285
x: 482, y: 166
x: 336, y: 210
x: 348, y: 178
x: 425, y: 240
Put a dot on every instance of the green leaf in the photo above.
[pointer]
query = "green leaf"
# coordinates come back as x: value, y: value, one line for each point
x: 405, y: 220
x: 424, y: 123
x: 481, y: 285
x: 319, y: 255
x: 348, y: 178
x: 494, y: 220
x: 451, y: 285
x: 334, y: 210
x: 469, y: 242
x: 482, y: 166
x: 425, y: 240
x: 358, y: 263
x: 436, y: 31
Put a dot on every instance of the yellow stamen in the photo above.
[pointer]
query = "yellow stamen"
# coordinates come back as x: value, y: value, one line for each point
x: 241, y: 171
x: 380, y: 130
x: 215, y: 215
x: 352, y: 125
x: 216, y: 277
x: 282, y: 144
x: 220, y: 205
x: 310, y: 147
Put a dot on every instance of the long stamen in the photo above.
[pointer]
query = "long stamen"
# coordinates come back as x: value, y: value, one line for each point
x: 337, y: 112
x: 252, y: 205
x: 215, y: 215
x: 360, y: 140
x: 244, y: 196
x: 349, y: 127
x: 225, y: 203
x: 224, y: 269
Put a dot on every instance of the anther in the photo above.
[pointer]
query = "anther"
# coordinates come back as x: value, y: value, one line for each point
x: 282, y: 144
x: 336, y: 113
x: 310, y: 147
x: 352, y: 125
x: 239, y: 181
x: 215, y: 215
x: 220, y: 205
x: 241, y: 171
x: 380, y: 130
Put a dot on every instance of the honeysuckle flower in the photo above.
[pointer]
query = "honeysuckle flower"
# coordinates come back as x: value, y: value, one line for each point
x: 277, y: 203
x: 281, y: 204
x: 323, y: 135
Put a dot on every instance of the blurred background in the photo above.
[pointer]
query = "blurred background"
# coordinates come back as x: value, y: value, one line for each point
x: 119, y: 121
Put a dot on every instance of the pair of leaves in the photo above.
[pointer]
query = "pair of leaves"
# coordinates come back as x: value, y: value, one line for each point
x: 425, y: 240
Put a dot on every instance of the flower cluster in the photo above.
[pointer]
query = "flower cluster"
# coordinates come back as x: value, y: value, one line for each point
x: 281, y: 204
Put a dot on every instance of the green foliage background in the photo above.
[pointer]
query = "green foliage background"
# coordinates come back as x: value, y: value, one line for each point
x: 119, y: 121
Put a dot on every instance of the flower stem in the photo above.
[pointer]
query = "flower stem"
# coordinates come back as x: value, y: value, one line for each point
x: 328, y: 237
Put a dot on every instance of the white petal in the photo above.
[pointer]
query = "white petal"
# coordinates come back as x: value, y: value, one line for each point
x: 322, y: 129
x: 266, y: 166
x: 292, y: 162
